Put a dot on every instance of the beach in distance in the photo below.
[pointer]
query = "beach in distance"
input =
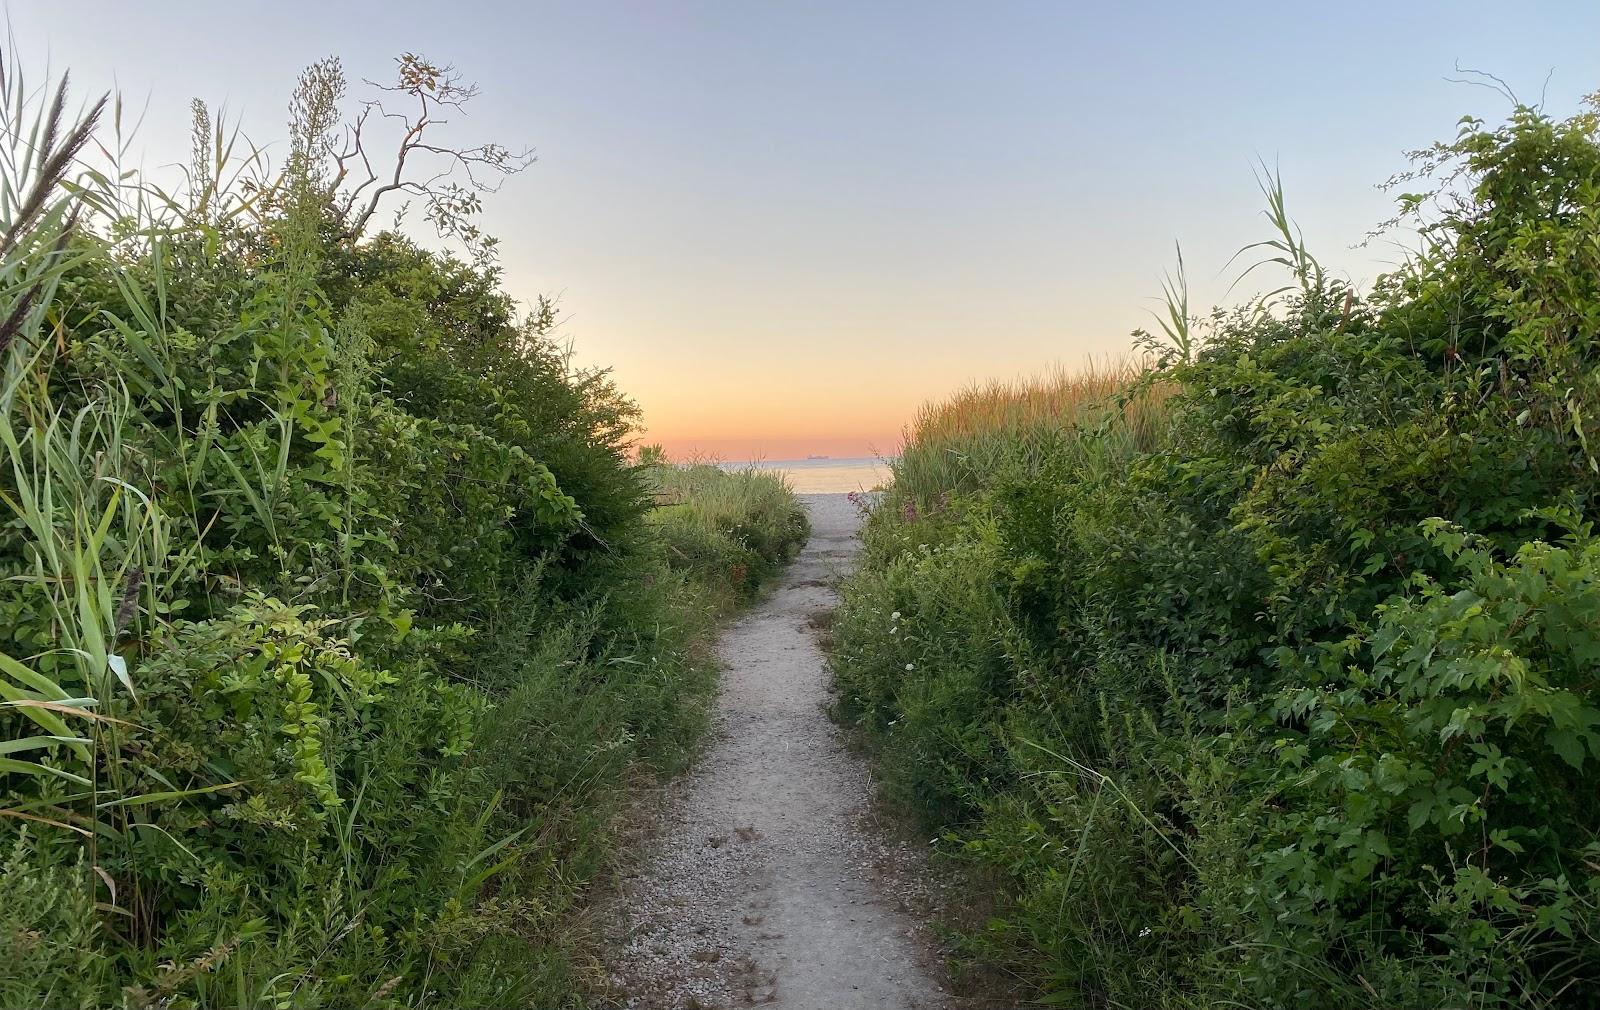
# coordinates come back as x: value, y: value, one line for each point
x: 823, y: 475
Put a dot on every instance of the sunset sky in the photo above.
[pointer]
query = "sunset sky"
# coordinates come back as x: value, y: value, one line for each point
x: 786, y: 224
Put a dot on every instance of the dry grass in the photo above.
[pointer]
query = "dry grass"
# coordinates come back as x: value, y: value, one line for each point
x: 956, y: 444
x: 1054, y: 398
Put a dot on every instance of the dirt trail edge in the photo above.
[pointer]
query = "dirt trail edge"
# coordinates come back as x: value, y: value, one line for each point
x: 760, y: 884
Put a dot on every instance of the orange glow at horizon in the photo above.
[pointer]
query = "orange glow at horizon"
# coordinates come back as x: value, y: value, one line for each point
x: 803, y: 414
x: 743, y: 448
x: 785, y: 227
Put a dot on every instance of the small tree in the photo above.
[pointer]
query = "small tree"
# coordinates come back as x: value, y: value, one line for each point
x: 450, y: 181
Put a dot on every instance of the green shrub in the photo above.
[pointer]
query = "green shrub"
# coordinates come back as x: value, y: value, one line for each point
x: 1281, y: 695
x: 334, y: 620
x: 936, y: 693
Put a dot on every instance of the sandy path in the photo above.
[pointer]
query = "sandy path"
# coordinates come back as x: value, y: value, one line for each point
x: 761, y: 885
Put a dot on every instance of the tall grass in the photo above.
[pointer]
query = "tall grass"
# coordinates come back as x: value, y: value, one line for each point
x: 963, y: 442
x: 731, y: 527
x: 91, y: 541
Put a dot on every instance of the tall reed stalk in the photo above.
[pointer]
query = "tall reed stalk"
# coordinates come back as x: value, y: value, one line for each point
x: 91, y: 544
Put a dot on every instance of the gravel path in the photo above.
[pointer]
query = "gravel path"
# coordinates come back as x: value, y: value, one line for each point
x: 764, y: 883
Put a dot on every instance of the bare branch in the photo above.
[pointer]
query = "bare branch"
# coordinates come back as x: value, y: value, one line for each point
x: 1483, y: 79
x: 357, y: 192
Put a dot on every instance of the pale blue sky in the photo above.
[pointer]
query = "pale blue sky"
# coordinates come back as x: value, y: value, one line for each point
x: 785, y: 224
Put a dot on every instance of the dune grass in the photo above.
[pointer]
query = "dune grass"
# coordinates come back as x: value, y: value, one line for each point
x: 731, y: 528
x: 960, y: 443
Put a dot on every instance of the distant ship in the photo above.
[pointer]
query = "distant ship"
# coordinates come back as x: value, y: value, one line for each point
x: 818, y: 457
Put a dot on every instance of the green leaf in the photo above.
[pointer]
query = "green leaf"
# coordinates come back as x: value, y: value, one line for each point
x: 145, y: 799
x: 1567, y: 744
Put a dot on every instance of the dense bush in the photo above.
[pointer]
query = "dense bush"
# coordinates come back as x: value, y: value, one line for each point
x: 1269, y: 680
x: 334, y: 612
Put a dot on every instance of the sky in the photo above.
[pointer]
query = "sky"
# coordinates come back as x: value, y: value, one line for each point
x: 785, y: 225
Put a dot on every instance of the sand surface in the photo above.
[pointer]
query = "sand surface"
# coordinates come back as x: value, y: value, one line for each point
x: 764, y: 882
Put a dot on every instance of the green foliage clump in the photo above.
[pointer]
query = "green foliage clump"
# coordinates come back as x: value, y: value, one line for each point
x: 729, y: 528
x: 1269, y: 679
x: 334, y: 612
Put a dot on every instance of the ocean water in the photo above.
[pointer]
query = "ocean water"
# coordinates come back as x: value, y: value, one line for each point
x: 824, y: 476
